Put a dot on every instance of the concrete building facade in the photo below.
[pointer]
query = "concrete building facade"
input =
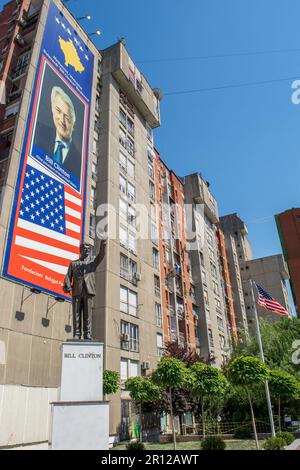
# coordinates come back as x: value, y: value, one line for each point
x: 126, y: 315
x: 179, y: 309
x: 207, y: 274
x: 32, y: 324
x: 271, y: 273
x: 238, y: 250
x: 288, y: 225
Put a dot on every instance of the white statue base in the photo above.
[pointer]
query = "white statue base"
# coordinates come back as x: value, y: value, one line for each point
x: 80, y: 420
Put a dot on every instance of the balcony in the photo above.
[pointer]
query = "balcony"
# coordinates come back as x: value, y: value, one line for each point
x: 137, y: 89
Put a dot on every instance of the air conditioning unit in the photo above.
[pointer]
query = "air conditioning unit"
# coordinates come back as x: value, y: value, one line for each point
x: 180, y: 309
x: 138, y: 277
x: 125, y: 337
x: 19, y: 39
x: 22, y: 22
x: 146, y: 365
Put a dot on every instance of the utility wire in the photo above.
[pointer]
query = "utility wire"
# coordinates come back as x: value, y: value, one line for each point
x: 217, y: 56
x: 225, y: 87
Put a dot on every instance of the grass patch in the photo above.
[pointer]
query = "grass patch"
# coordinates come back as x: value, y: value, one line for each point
x: 195, y: 445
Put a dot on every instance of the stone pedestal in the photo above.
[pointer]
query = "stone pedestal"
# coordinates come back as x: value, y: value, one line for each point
x: 80, y: 419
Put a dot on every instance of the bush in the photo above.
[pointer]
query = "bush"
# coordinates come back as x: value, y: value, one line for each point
x: 274, y: 443
x: 213, y: 443
x: 288, y: 437
x: 243, y: 432
x: 135, y: 446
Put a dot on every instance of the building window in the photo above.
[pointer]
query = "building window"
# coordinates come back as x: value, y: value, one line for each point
x: 22, y: 63
x: 92, y: 231
x: 128, y: 368
x: 158, y: 315
x: 205, y: 295
x: 122, y: 185
x: 122, y: 118
x: 157, y: 286
x: 213, y: 269
x: 150, y: 169
x: 123, y: 236
x: 149, y: 132
x: 129, y: 337
x: 12, y: 110
x: 155, y: 255
x: 131, y: 191
x: 220, y: 323
x: 151, y: 190
x: 94, y: 171
x: 93, y: 197
x: 160, y: 344
x: 222, y: 341
x: 210, y: 339
x: 154, y: 237
x: 128, y: 268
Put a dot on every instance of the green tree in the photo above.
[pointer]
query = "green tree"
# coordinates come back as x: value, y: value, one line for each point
x: 277, y: 338
x: 248, y: 372
x: 111, y: 382
x: 283, y: 384
x: 141, y: 391
x: 170, y: 375
x: 205, y: 382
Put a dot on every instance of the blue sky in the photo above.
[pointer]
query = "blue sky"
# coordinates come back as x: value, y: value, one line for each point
x: 245, y: 140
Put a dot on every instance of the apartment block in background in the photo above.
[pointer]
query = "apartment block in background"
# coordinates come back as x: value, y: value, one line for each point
x: 227, y: 285
x: 238, y: 250
x: 179, y: 308
x: 271, y: 273
x: 206, y: 269
x: 288, y: 225
x: 127, y: 315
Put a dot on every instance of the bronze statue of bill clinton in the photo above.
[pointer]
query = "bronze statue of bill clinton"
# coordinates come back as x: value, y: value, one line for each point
x: 81, y: 281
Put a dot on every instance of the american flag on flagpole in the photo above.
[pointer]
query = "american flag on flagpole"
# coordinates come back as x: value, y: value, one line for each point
x: 267, y: 301
x: 48, y: 229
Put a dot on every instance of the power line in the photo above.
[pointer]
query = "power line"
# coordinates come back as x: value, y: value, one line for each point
x: 225, y: 87
x: 217, y: 56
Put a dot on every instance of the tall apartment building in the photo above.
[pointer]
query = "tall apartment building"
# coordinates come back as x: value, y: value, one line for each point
x: 288, y: 225
x: 179, y: 309
x: 119, y: 118
x: 271, y: 273
x: 213, y: 325
x: 238, y: 250
x: 127, y: 316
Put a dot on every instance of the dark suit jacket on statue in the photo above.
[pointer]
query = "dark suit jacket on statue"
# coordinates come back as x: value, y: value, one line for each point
x: 82, y: 274
x: 45, y: 139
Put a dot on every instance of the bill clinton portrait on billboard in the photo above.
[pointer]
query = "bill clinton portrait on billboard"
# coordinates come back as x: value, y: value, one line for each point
x: 58, y: 132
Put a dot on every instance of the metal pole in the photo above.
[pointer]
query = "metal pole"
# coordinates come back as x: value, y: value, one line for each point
x: 263, y: 360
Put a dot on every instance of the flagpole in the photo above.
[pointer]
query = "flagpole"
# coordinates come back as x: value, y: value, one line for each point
x: 262, y: 356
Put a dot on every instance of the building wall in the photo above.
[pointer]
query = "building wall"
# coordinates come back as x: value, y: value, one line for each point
x: 31, y: 345
x: 227, y: 285
x: 180, y: 316
x: 271, y: 273
x: 108, y: 314
x: 288, y: 224
x: 238, y: 250
x: 207, y: 273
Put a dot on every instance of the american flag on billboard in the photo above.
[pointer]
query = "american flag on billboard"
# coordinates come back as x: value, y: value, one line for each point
x: 267, y: 301
x: 48, y: 229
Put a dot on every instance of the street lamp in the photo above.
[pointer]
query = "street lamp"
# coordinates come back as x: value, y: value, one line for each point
x: 85, y: 17
x: 98, y: 33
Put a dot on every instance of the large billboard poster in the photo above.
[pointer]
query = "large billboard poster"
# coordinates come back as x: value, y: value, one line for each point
x: 47, y: 222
